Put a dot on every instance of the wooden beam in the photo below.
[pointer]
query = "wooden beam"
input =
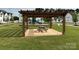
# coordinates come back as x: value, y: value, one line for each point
x: 26, y: 22
x: 23, y: 25
x: 63, y: 31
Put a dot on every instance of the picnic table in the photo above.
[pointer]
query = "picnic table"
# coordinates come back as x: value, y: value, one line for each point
x: 42, y: 28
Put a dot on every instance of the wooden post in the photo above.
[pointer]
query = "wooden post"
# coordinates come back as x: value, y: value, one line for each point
x: 63, y: 31
x: 50, y: 21
x: 23, y: 25
x: 26, y: 22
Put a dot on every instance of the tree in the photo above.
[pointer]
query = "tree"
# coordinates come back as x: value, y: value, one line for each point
x: 75, y: 18
x: 16, y: 18
x: 70, y: 10
x: 46, y: 20
x: 77, y: 10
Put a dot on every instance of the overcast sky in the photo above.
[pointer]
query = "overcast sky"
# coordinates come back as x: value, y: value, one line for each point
x: 15, y: 10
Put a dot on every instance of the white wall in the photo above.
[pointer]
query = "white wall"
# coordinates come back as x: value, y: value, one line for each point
x: 1, y: 17
x: 68, y: 18
x: 9, y: 16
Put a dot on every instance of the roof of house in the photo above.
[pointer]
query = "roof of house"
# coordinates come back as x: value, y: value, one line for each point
x: 5, y: 11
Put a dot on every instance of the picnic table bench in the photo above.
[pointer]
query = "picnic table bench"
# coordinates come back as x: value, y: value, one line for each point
x: 42, y: 28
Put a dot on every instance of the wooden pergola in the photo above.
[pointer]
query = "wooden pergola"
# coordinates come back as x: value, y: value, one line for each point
x: 26, y: 14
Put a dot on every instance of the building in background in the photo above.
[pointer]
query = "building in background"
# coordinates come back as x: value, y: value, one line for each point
x: 5, y: 16
x: 69, y: 18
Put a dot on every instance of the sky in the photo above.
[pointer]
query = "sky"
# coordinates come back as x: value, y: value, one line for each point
x: 15, y: 10
x: 11, y: 10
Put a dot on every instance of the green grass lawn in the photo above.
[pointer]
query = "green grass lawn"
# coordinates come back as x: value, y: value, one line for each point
x: 11, y: 39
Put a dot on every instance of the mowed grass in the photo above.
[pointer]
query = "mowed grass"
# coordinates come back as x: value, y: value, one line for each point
x: 11, y: 39
x: 10, y: 30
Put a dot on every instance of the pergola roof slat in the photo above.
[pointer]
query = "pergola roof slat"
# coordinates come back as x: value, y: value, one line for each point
x: 42, y: 14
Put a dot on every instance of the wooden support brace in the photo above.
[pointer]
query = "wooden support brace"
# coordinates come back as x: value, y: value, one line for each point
x: 23, y: 26
x: 63, y: 32
x: 50, y: 22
